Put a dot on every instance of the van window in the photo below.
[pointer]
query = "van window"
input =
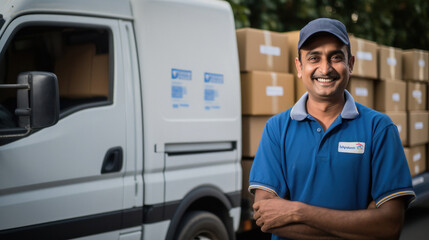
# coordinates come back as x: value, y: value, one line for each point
x: 78, y: 56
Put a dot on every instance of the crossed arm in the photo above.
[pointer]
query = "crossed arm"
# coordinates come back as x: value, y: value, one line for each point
x: 298, y: 220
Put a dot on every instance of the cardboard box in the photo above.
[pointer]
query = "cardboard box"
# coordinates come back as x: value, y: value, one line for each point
x: 366, y: 57
x: 390, y: 96
x: 389, y: 63
x: 246, y: 165
x: 81, y: 73
x: 362, y: 91
x: 416, y: 159
x: 415, y: 65
x: 266, y: 93
x: 416, y: 96
x: 399, y: 118
x: 262, y: 50
x: 253, y: 126
x: 293, y: 38
x: 418, y: 128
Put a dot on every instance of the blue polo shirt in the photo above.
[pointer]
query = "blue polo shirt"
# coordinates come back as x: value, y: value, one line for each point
x: 359, y: 158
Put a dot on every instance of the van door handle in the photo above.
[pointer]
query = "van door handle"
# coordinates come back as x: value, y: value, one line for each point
x: 112, y: 160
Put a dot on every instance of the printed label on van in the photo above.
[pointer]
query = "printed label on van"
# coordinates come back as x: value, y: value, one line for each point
x: 181, y: 74
x: 181, y: 80
x: 213, y: 83
x: 213, y: 78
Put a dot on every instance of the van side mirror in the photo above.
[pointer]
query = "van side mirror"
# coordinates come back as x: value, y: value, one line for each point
x: 37, y: 102
x: 38, y: 105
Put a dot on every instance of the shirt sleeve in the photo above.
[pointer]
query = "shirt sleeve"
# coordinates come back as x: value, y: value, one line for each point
x: 268, y: 166
x: 391, y: 176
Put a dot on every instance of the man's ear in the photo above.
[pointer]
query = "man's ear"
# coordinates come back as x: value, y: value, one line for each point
x: 298, y: 66
x: 351, y: 63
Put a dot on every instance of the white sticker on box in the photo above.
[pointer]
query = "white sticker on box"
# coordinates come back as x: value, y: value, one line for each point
x: 361, y: 92
x: 417, y: 157
x: 269, y: 50
x: 399, y: 126
x: 418, y: 125
x: 416, y: 169
x: 396, y: 97
x: 274, y: 91
x: 364, y: 55
x: 391, y: 61
x: 418, y: 180
x: 422, y: 63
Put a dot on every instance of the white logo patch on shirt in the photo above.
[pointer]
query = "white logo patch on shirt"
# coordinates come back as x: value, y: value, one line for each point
x: 351, y: 147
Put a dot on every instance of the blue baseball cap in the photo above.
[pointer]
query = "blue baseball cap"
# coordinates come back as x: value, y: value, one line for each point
x: 327, y: 25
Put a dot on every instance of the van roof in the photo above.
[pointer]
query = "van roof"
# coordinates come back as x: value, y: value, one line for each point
x: 10, y: 9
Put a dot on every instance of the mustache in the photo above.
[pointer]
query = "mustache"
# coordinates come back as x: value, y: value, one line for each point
x: 331, y: 75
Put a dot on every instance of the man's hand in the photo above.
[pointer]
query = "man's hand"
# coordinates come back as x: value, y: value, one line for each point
x: 274, y: 213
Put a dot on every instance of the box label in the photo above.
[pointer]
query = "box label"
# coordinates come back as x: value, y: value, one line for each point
x: 418, y: 180
x: 396, y: 97
x: 399, y: 126
x: 361, y: 92
x: 391, y: 61
x: 351, y: 147
x: 367, y: 56
x: 417, y: 94
x: 274, y: 91
x: 416, y: 169
x: 422, y: 63
x: 269, y: 50
x: 418, y: 125
x: 417, y: 157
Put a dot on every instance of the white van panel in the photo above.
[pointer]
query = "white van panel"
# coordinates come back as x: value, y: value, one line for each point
x: 179, y: 55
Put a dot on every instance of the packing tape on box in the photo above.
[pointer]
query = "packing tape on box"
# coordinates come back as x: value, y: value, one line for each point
x: 359, y: 50
x: 391, y: 61
x: 275, y: 104
x: 263, y: 49
x: 422, y: 64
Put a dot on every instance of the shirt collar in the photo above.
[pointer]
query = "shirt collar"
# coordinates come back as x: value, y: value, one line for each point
x: 299, y: 111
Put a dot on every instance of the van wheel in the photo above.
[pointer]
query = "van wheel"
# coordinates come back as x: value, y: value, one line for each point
x: 200, y: 225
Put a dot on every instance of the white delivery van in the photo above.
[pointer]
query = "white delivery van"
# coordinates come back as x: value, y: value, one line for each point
x: 119, y: 119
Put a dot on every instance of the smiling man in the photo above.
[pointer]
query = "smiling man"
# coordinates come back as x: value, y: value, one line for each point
x: 329, y: 168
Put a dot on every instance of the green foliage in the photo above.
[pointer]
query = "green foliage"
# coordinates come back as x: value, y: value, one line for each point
x: 399, y: 23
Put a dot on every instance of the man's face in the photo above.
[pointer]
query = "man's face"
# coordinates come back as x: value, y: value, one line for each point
x: 325, y: 67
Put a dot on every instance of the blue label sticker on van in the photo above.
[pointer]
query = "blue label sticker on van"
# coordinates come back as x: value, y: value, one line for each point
x: 181, y: 74
x: 176, y: 91
x: 213, y: 78
x: 209, y: 94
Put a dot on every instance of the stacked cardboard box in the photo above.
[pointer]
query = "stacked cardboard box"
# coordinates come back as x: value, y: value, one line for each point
x: 415, y: 72
x: 267, y: 87
x: 361, y: 84
x: 390, y: 89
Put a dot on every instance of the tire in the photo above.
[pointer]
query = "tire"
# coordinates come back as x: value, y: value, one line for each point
x: 201, y: 225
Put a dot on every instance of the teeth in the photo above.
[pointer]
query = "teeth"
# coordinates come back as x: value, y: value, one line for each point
x: 325, y: 80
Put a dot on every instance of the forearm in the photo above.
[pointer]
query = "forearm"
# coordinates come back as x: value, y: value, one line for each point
x: 301, y: 231
x: 359, y: 224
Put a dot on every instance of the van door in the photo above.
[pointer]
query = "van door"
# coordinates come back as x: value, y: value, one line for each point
x: 67, y: 180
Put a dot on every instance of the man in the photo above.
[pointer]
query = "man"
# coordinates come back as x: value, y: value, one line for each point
x: 329, y: 168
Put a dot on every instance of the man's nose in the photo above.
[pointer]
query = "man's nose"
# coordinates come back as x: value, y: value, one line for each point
x: 325, y: 67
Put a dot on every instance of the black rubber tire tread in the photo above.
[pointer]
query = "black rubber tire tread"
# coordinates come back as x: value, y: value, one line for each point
x: 201, y: 223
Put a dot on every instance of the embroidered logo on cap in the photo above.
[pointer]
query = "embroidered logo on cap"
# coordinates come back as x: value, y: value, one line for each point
x: 351, y: 147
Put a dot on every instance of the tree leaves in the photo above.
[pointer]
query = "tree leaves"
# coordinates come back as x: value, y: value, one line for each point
x: 398, y: 23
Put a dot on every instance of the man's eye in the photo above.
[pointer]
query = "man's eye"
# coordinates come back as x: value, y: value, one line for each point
x: 312, y: 59
x: 337, y: 58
